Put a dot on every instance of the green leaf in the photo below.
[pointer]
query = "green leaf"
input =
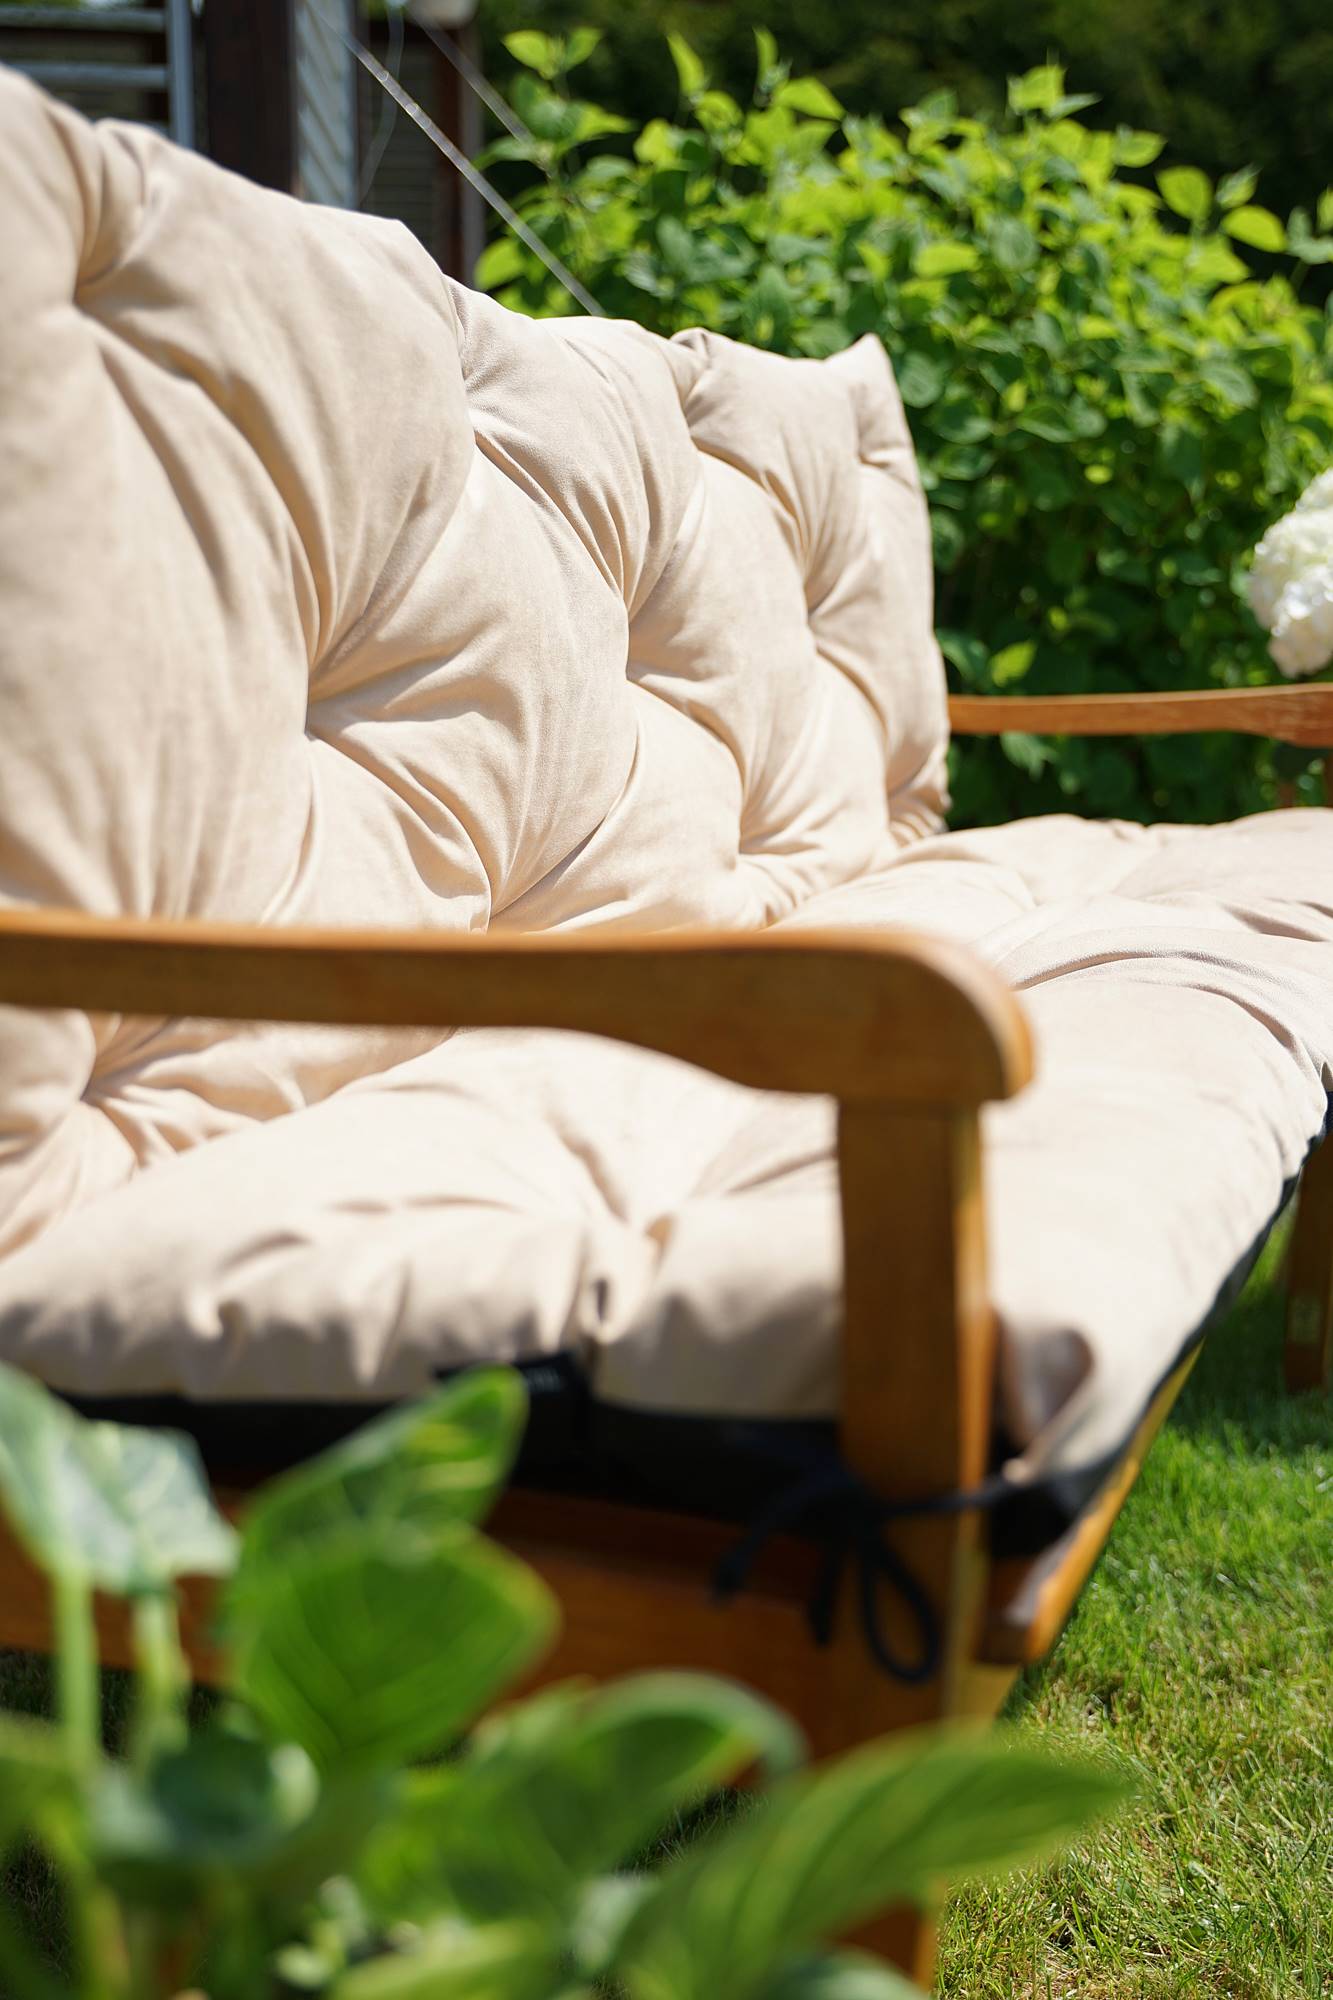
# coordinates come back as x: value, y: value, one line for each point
x: 1066, y: 559
x: 579, y: 45
x: 962, y: 461
x: 827, y: 1849
x: 227, y: 1806
x: 34, y: 1773
x: 422, y: 1468
x: 717, y: 112
x: 1137, y: 149
x: 1045, y: 331
x: 535, y: 51
x: 946, y: 538
x: 605, y: 1909
x: 1196, y: 570
x: 659, y: 143
x: 1233, y: 189
x: 961, y: 420
x: 452, y: 1961
x: 807, y: 95
x: 966, y: 652
x: 769, y: 69
x: 1310, y: 249
x: 841, y: 1975
x: 123, y: 1508
x: 937, y: 107
x: 510, y: 148
x: 1039, y: 90
x: 768, y: 307
x: 1188, y: 191
x: 591, y: 122
x: 1013, y: 245
x: 1258, y: 227
x: 1123, y: 567
x: 1230, y: 380
x: 1029, y: 754
x: 1060, y: 423
x: 679, y: 247
x: 1181, y: 456
x: 943, y: 260
x: 693, y: 76
x: 1213, y: 262
x: 549, y: 115
x: 823, y: 337
x: 921, y: 378
x: 373, y: 1646
x: 1011, y: 663
x: 567, y: 1787
x: 1047, y: 485
x: 1079, y: 100
x: 500, y: 263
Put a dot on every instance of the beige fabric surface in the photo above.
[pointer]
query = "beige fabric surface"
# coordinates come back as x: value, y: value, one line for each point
x: 331, y: 592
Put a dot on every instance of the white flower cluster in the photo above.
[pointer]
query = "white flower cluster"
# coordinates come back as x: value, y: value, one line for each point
x: 1291, y: 583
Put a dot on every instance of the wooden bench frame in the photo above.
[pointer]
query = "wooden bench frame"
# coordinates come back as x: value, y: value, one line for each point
x: 912, y: 1036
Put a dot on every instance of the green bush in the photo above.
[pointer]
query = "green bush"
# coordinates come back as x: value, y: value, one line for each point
x: 1228, y: 80
x: 1109, y: 407
x: 295, y: 1843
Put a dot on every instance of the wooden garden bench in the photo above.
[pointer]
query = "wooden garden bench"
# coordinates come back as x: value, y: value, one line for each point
x: 912, y: 1038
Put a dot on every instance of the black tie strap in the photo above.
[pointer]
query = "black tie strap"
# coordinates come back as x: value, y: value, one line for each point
x: 840, y: 1510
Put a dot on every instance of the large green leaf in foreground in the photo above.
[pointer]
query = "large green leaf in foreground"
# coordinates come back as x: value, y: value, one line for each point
x: 424, y: 1466
x: 828, y: 1849
x: 559, y: 1790
x: 371, y: 1648
x: 125, y: 1509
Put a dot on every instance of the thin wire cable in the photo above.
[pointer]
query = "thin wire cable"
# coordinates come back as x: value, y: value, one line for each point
x: 472, y: 77
x: 461, y: 164
x: 388, y: 111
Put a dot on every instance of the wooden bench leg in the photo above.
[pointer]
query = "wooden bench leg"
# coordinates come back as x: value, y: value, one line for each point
x: 918, y: 1370
x: 863, y: 1703
x: 1308, y: 1350
x: 905, y: 1938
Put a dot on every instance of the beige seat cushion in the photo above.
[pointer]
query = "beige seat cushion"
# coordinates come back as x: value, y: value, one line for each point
x: 523, y: 1195
x: 331, y: 592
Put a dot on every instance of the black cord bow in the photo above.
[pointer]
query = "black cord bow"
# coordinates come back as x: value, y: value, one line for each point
x: 851, y: 1520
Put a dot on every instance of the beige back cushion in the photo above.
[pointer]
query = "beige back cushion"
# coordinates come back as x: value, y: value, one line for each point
x: 334, y: 593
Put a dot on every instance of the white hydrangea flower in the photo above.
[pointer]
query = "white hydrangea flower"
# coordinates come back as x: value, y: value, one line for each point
x: 1291, y: 583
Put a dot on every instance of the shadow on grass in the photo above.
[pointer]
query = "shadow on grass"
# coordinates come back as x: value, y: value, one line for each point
x: 1236, y: 1391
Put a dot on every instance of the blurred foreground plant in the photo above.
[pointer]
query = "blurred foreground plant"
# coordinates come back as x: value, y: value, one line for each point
x: 1109, y: 401
x: 294, y: 1842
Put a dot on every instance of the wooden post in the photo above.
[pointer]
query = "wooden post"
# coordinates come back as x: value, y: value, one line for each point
x: 461, y: 226
x: 249, y: 90
x: 1308, y: 1352
x: 918, y: 1374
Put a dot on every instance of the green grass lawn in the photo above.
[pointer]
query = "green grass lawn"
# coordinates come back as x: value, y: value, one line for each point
x: 1200, y: 1659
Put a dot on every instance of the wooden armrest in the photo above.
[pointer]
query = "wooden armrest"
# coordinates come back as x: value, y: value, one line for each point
x: 1301, y: 715
x: 864, y: 1017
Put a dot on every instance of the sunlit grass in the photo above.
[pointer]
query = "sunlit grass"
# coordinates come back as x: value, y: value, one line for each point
x: 1201, y: 1658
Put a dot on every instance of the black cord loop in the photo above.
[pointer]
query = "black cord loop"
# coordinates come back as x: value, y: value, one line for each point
x: 834, y: 1504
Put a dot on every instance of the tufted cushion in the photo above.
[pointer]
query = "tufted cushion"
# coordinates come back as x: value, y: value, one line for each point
x: 356, y: 597
x: 333, y: 593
